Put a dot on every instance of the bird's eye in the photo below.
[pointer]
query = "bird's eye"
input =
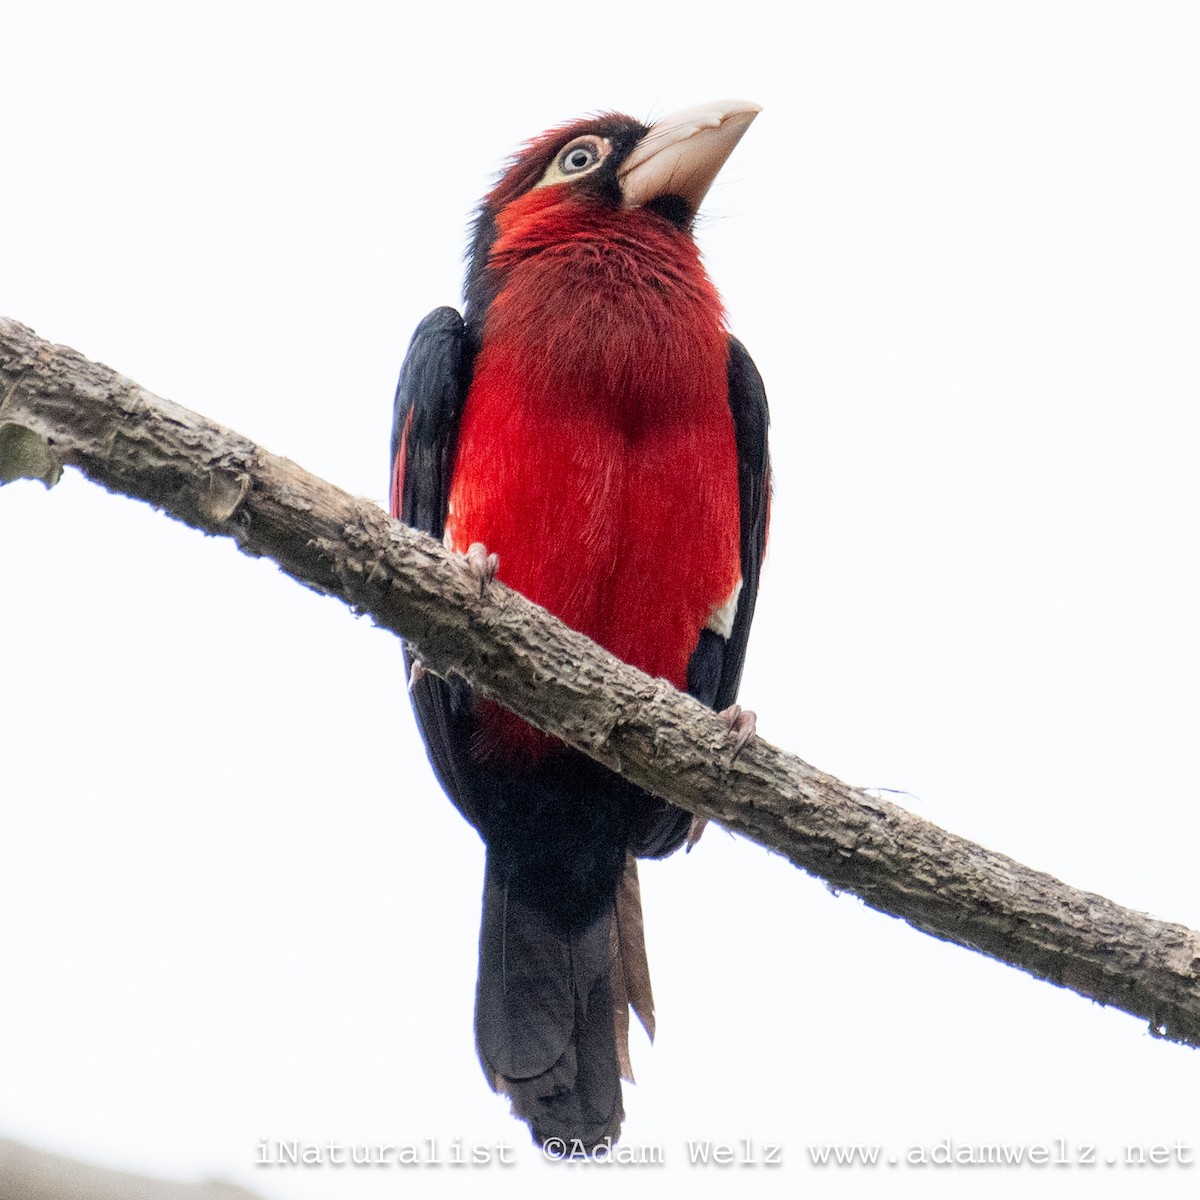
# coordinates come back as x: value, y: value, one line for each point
x: 579, y: 156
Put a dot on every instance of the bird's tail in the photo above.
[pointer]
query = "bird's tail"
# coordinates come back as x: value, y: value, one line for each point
x: 552, y: 1009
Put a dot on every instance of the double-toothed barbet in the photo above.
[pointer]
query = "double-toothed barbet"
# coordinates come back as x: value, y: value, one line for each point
x: 591, y: 423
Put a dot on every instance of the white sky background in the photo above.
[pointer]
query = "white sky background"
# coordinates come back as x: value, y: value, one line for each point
x: 962, y: 244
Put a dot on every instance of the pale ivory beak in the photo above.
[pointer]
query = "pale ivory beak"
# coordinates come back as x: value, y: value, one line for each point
x: 682, y: 153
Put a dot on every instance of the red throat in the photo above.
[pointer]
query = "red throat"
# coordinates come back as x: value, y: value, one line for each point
x: 596, y: 453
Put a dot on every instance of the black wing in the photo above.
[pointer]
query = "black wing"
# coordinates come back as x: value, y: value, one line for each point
x: 715, y: 669
x: 429, y: 403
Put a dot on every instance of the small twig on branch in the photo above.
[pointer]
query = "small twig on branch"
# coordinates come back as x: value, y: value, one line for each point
x: 87, y: 416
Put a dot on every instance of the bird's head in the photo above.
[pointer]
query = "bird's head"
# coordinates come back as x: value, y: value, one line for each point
x: 606, y: 165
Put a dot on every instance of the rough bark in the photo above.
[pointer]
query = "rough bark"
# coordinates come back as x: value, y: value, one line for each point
x: 57, y: 408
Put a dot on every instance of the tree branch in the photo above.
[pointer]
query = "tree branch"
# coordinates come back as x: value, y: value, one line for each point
x: 38, y: 1175
x: 57, y: 408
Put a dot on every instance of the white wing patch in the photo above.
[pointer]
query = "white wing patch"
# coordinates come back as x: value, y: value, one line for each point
x: 720, y: 620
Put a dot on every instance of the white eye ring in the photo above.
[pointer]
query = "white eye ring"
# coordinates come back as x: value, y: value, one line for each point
x: 576, y: 159
x: 579, y: 156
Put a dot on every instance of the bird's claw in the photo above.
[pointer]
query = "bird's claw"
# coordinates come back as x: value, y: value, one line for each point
x: 482, y: 565
x: 416, y: 672
x: 695, y: 829
x: 742, y: 724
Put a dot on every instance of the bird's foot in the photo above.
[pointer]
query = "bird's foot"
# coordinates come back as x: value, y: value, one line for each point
x: 695, y: 829
x: 742, y: 724
x: 482, y: 565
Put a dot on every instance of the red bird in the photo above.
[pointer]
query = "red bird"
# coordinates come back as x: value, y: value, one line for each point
x: 592, y: 423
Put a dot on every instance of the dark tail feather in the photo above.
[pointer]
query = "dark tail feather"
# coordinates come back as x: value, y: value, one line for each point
x: 544, y: 1018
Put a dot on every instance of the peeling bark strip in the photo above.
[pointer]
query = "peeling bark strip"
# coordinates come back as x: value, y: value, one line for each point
x: 122, y: 437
